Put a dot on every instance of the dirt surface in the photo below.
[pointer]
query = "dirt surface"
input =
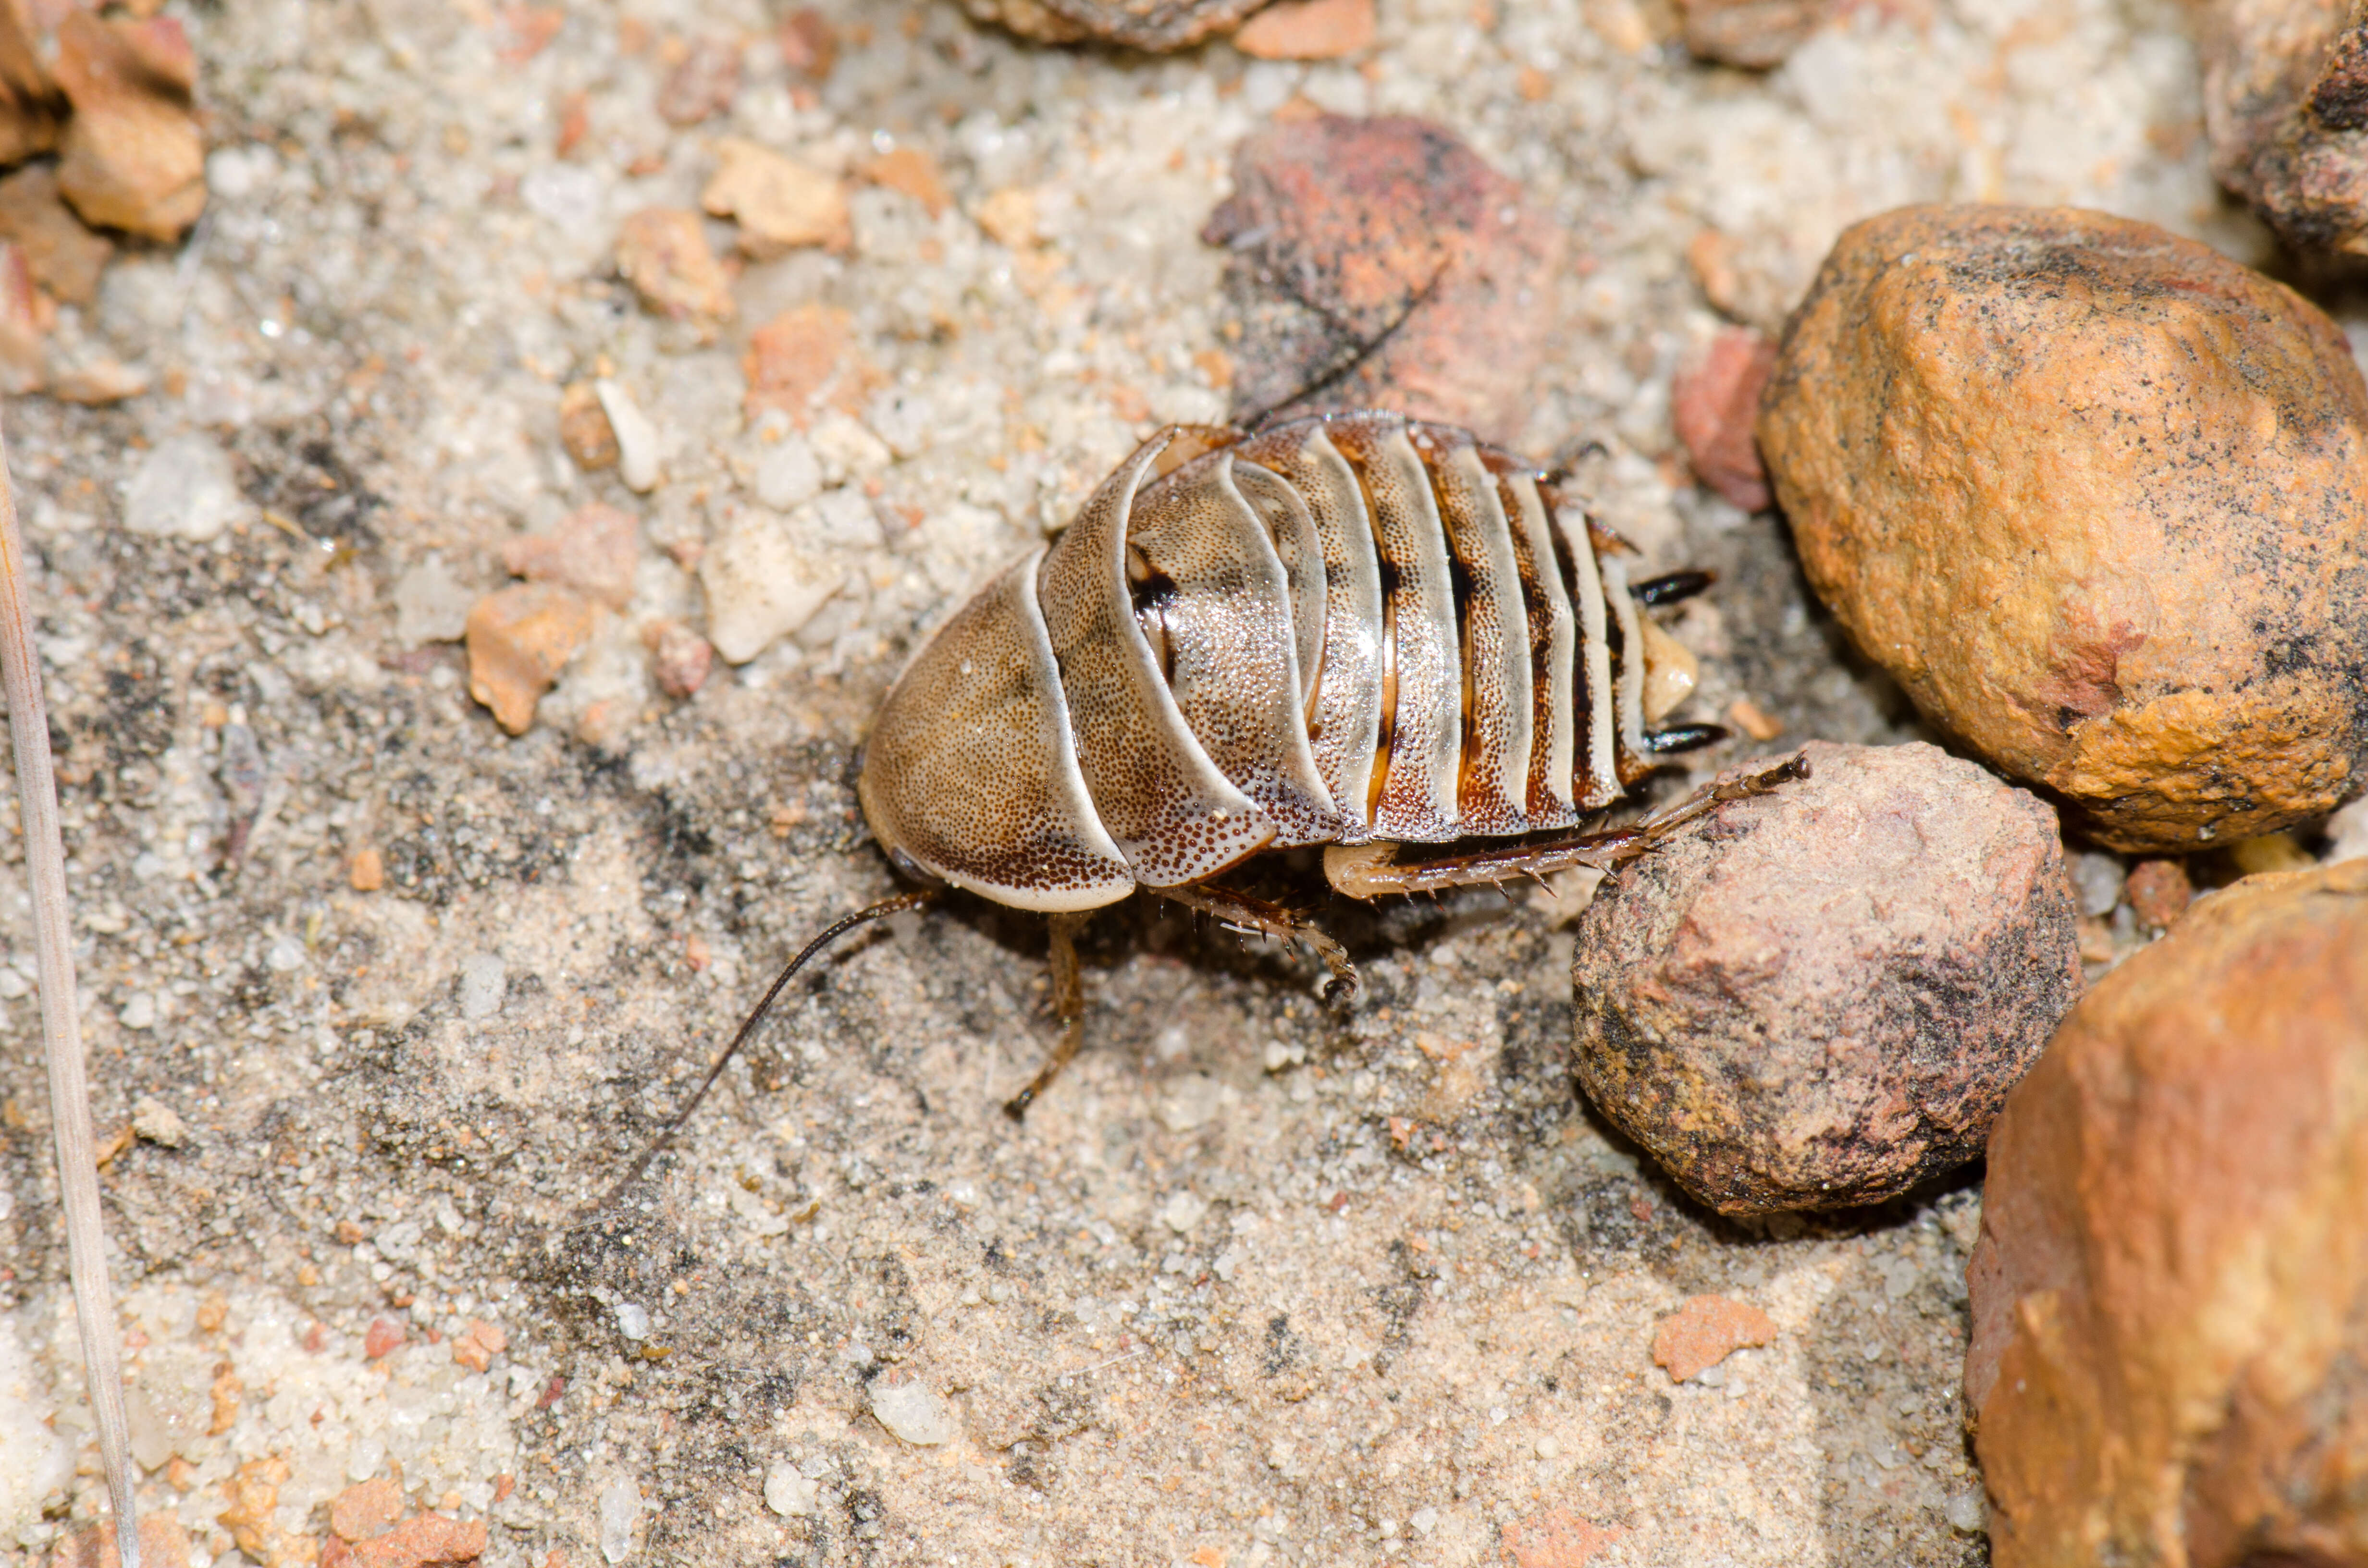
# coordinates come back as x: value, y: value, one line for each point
x: 1256, y: 1284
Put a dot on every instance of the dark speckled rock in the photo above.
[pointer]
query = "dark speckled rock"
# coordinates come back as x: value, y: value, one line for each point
x: 1822, y: 997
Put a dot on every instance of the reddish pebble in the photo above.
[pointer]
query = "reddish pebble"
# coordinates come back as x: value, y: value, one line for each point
x: 162, y: 1545
x: 797, y: 359
x: 384, y: 1335
x: 593, y: 550
x: 682, y: 657
x: 429, y: 1540
x: 1706, y: 1330
x: 913, y: 171
x: 365, y: 1510
x: 662, y: 253
x: 1714, y: 405
x: 702, y: 85
x: 1308, y: 29
x: 477, y: 1344
x: 2158, y: 891
x: 519, y: 639
x: 1557, y: 1538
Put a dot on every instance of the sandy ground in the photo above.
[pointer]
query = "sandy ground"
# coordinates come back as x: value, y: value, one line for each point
x: 1258, y: 1284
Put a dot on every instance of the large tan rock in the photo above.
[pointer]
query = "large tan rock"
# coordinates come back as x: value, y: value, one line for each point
x: 2098, y: 497
x: 2169, y: 1352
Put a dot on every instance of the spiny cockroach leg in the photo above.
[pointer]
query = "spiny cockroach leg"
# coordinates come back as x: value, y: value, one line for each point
x: 1069, y: 1005
x: 1255, y: 915
x: 1372, y: 870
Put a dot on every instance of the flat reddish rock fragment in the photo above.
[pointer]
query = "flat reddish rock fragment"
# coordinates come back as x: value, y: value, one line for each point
x: 798, y: 360
x: 382, y: 1335
x: 519, y: 639
x: 1381, y: 262
x: 1753, y: 34
x: 680, y: 659
x: 779, y: 203
x: 1308, y: 29
x: 664, y: 253
x: 701, y: 85
x: 64, y: 255
x: 2168, y: 1360
x: 2285, y: 105
x: 1154, y: 25
x: 593, y: 550
x: 1706, y: 1330
x: 2158, y: 891
x: 365, y: 1509
x: 1820, y: 998
x: 1714, y: 405
x: 2097, y: 497
x: 132, y: 158
x: 429, y: 1540
x: 912, y: 172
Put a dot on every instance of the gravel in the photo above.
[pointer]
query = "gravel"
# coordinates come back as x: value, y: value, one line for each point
x: 1421, y: 1255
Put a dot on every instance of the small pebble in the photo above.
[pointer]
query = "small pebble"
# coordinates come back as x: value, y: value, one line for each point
x: 787, y: 1492
x: 637, y: 437
x: 703, y: 85
x: 797, y: 359
x: 914, y: 1413
x: 2159, y: 892
x: 184, y: 488
x: 664, y: 253
x: 633, y: 1321
x: 2098, y: 879
x: 139, y: 1011
x: 132, y: 156
x: 911, y: 172
x: 1714, y: 402
x: 1706, y: 1330
x: 761, y: 585
x: 519, y: 639
x: 619, y: 1509
x: 1757, y: 34
x: 680, y: 658
x: 1183, y: 1211
x: 484, y: 979
x: 365, y: 1509
x: 159, y: 1123
x: 366, y: 872
x: 779, y: 204
x: 1308, y: 29
x: 789, y: 475
x: 431, y: 604
x: 384, y: 1335
x: 584, y: 427
x: 593, y: 550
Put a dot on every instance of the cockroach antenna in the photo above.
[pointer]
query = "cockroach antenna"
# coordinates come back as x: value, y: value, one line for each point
x: 880, y: 911
x: 45, y: 868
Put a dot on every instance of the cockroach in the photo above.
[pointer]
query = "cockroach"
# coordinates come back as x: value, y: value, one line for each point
x: 1357, y: 631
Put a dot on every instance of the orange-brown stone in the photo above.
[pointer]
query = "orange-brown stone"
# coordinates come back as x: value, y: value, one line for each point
x: 2169, y: 1362
x: 2098, y: 498
x: 519, y: 639
x: 1706, y: 1330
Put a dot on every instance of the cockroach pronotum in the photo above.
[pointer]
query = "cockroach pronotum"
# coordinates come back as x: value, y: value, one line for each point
x: 1358, y: 630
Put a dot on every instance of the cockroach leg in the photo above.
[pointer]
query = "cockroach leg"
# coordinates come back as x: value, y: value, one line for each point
x: 1069, y: 1004
x: 1372, y: 870
x: 1253, y: 916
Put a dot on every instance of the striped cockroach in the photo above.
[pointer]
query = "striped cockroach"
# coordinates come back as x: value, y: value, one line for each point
x: 1358, y: 630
